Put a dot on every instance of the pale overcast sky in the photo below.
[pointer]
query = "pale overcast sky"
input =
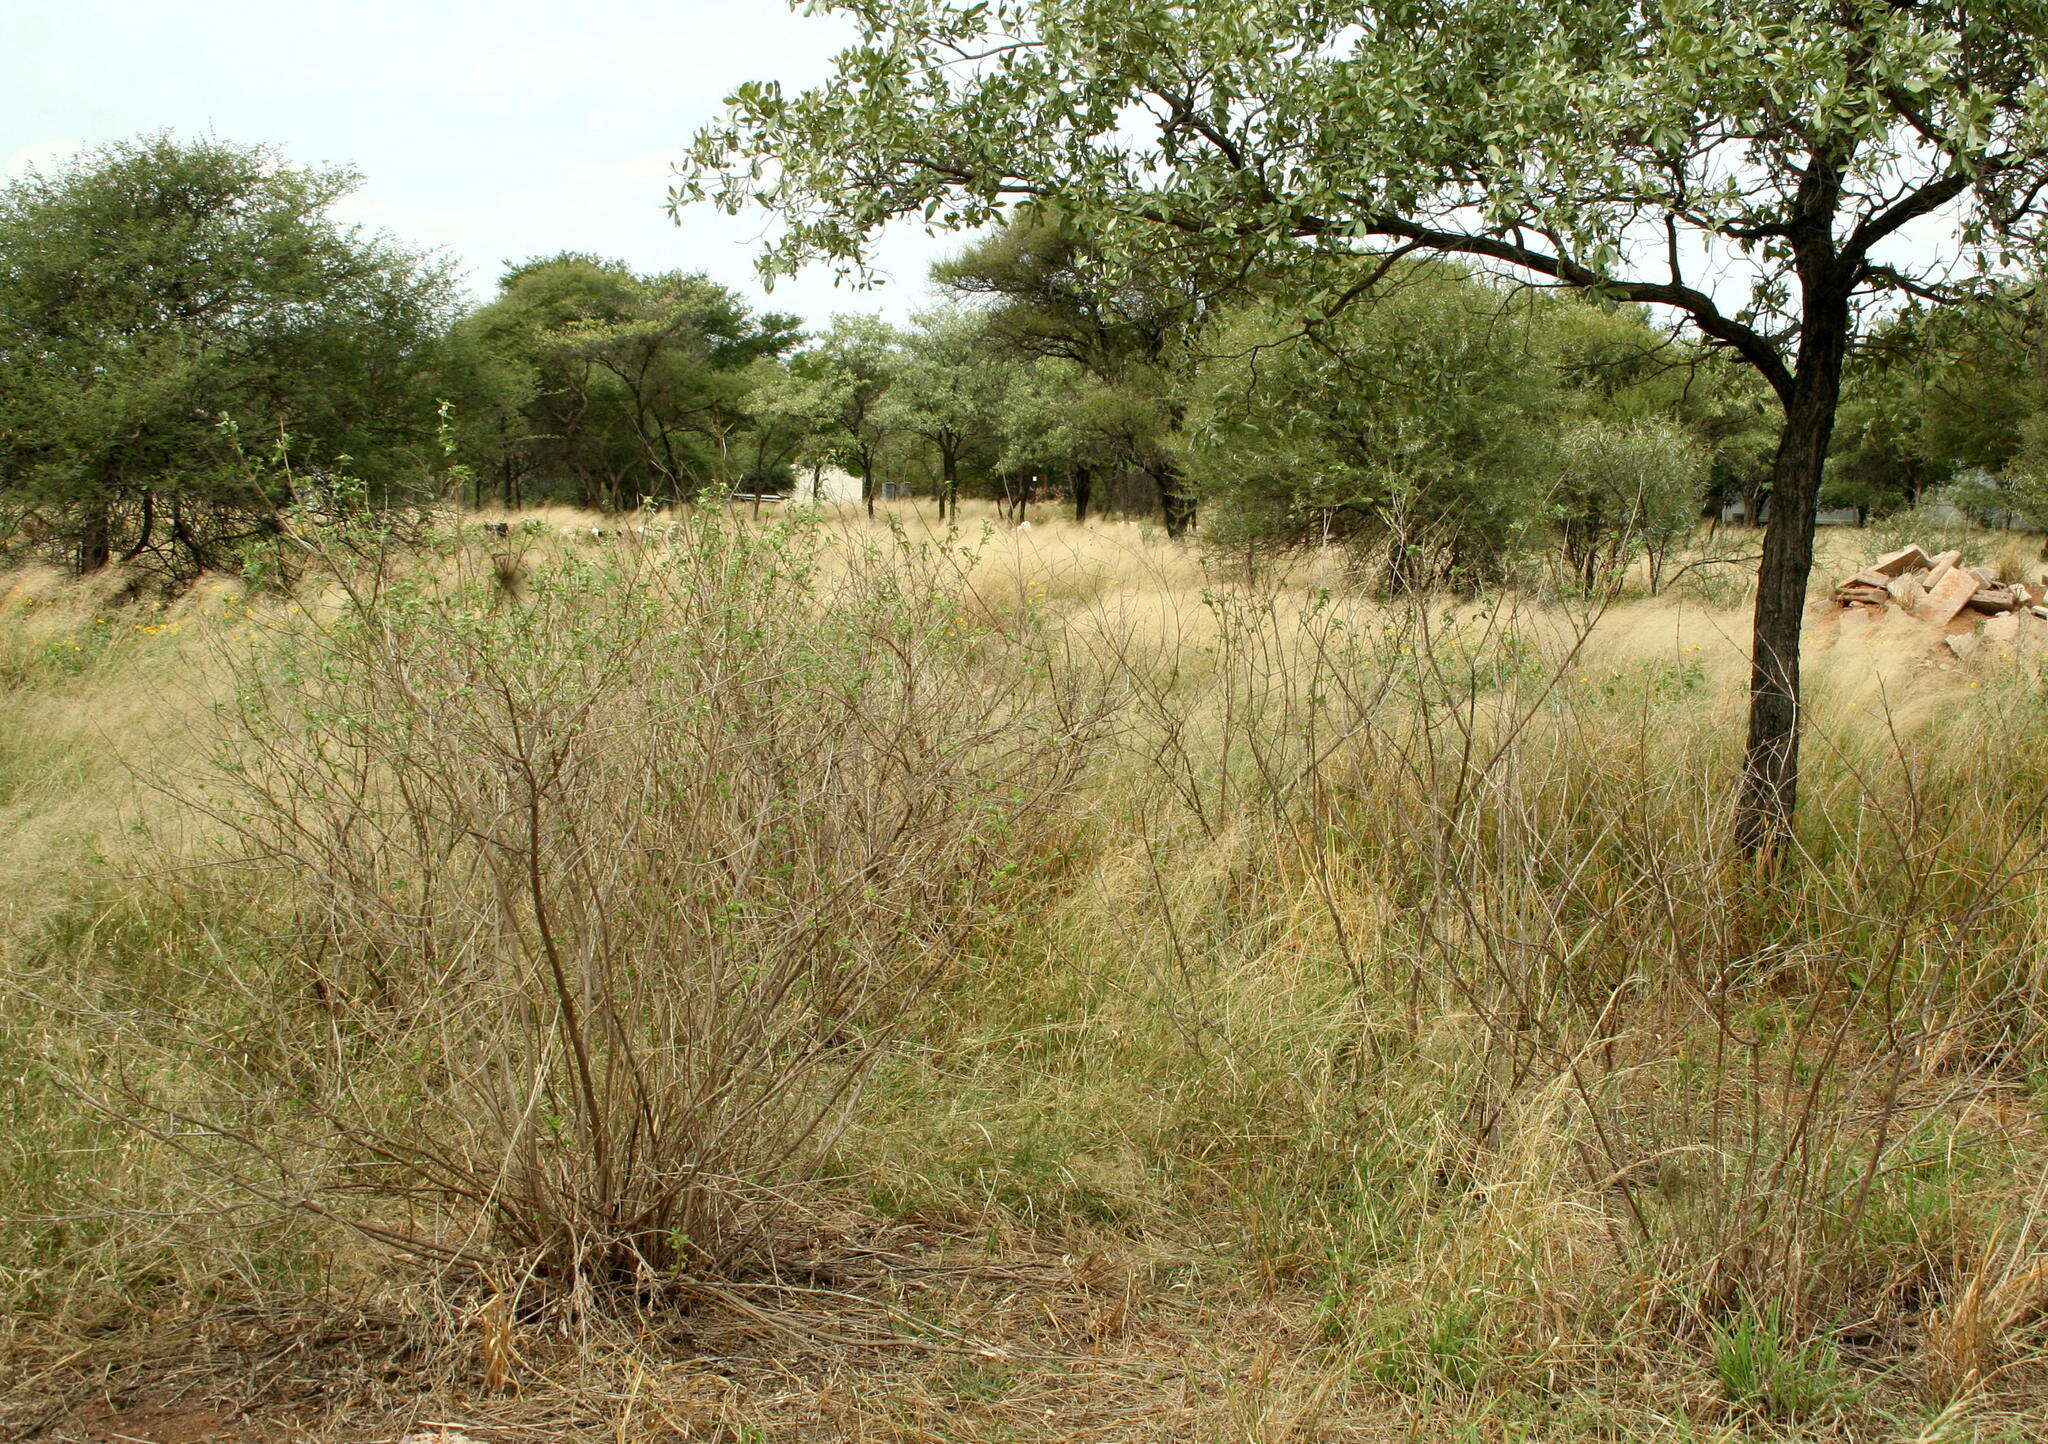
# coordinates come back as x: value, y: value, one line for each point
x: 493, y: 132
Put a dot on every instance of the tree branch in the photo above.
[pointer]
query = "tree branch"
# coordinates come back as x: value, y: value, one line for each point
x: 1922, y: 201
x: 1697, y: 305
x: 1898, y: 280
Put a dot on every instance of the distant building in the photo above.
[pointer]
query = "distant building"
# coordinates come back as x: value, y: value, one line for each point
x: 828, y: 485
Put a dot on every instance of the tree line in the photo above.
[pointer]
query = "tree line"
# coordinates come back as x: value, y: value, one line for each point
x: 191, y: 346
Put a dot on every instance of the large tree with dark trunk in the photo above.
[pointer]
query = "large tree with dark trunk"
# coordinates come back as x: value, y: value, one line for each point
x: 1767, y: 171
x: 947, y: 391
x: 606, y: 385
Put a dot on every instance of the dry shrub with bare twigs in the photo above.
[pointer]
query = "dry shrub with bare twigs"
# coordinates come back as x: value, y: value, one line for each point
x: 1713, y: 1094
x: 601, y: 901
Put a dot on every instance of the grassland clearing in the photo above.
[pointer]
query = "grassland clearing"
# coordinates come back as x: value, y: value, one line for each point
x: 1247, y: 1008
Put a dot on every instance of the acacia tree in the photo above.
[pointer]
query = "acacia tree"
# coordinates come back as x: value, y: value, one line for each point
x: 947, y: 391
x: 1058, y: 419
x: 678, y: 355
x: 1626, y: 148
x: 774, y: 437
x: 1624, y: 488
x: 1058, y: 296
x: 1410, y: 430
x: 164, y: 303
x: 1938, y: 393
x: 837, y: 389
x: 629, y: 385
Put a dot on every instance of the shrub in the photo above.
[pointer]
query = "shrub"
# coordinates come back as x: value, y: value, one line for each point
x: 603, y: 899
x: 1623, y: 491
x: 1409, y: 431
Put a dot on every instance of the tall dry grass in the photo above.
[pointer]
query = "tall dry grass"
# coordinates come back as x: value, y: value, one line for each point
x: 604, y: 908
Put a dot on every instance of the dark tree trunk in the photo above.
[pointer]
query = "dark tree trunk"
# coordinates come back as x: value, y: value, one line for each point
x: 1770, y: 762
x: 1084, y: 482
x: 867, y: 487
x: 1176, y: 499
x: 146, y: 533
x: 182, y: 535
x: 96, y: 539
x: 1753, y: 499
x: 949, y: 490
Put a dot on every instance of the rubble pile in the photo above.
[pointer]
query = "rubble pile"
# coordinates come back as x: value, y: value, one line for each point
x: 1961, y: 602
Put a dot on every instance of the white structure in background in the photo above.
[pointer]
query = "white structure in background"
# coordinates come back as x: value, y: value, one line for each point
x: 827, y: 486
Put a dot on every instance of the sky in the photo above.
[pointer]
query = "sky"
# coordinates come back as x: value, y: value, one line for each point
x: 488, y: 132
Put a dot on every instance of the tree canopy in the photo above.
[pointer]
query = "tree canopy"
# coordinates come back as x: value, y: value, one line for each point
x: 1415, y: 427
x: 626, y: 386
x: 1749, y: 167
x: 166, y: 308
x: 948, y: 390
x: 1058, y: 295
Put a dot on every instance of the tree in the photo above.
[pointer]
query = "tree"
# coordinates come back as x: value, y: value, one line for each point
x: 839, y: 385
x: 1623, y: 488
x: 1057, y: 419
x: 947, y: 390
x: 1729, y: 405
x: 676, y: 355
x: 1630, y: 460
x: 1938, y: 394
x: 165, y: 304
x: 771, y: 437
x: 1058, y: 297
x: 1411, y: 429
x: 631, y: 385
x: 1626, y: 149
x: 791, y: 420
x: 489, y: 387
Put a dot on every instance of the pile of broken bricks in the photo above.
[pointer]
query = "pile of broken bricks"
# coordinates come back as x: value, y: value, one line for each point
x: 1942, y: 593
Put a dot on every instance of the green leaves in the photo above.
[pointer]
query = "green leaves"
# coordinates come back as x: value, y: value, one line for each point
x: 628, y: 385
x: 1414, y: 420
x: 1569, y: 137
x: 156, y: 287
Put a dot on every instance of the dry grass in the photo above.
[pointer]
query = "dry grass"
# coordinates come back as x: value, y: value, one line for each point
x: 1379, y: 1043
